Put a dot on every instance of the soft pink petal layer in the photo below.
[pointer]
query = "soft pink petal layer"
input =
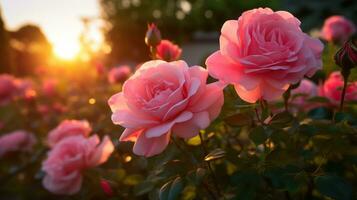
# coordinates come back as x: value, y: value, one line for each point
x: 150, y: 146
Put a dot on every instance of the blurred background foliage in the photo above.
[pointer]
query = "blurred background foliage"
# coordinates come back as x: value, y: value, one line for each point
x: 182, y: 21
x: 179, y: 20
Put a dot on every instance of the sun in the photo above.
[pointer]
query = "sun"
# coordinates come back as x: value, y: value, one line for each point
x: 66, y: 50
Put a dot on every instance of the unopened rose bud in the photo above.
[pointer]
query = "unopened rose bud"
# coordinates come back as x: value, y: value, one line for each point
x: 153, y: 35
x: 346, y: 57
x: 168, y: 51
x: 106, y: 188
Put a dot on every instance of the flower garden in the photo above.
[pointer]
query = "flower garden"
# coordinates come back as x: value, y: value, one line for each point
x: 271, y: 114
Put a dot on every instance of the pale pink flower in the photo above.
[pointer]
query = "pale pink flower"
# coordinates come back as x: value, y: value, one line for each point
x: 107, y: 189
x: 25, y: 89
x: 68, y: 128
x: 168, y: 51
x: 262, y: 53
x: 119, y: 74
x: 49, y: 87
x: 67, y: 160
x: 307, y: 89
x: 332, y: 89
x: 337, y: 29
x: 8, y: 88
x: 16, y: 141
x: 164, y: 98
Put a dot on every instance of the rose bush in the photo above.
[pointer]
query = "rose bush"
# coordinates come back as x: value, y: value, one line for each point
x: 194, y: 138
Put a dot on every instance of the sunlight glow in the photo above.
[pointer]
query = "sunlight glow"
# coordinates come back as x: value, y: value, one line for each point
x: 66, y: 50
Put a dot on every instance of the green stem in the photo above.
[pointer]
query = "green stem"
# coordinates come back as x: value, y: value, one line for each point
x: 345, y: 80
x: 194, y: 162
x: 214, y: 178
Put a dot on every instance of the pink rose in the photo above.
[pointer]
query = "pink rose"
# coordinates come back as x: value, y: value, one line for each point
x: 25, y: 89
x: 337, y: 28
x: 16, y: 141
x: 262, y: 53
x: 164, y: 98
x: 107, y: 189
x: 332, y: 89
x: 119, y: 74
x: 68, y: 128
x: 168, y: 51
x: 7, y: 88
x: 49, y: 87
x: 306, y: 89
x: 67, y: 160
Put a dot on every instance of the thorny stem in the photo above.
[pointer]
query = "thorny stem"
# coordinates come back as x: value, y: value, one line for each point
x: 214, y: 178
x: 193, y: 159
x: 258, y: 117
x: 153, y: 51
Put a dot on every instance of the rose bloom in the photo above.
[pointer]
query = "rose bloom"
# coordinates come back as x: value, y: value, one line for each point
x: 168, y: 51
x: 332, y: 89
x: 306, y: 89
x: 107, y: 189
x: 66, y: 161
x: 119, y: 74
x: 337, y: 28
x: 164, y: 98
x: 25, y: 89
x: 8, y: 88
x: 262, y: 53
x: 16, y: 141
x: 49, y: 87
x: 68, y: 128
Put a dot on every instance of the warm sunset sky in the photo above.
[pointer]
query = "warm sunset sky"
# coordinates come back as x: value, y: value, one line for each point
x: 59, y: 19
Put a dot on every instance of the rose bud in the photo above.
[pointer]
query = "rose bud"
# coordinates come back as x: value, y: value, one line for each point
x: 346, y: 57
x: 168, y: 51
x: 153, y: 35
x: 107, y: 189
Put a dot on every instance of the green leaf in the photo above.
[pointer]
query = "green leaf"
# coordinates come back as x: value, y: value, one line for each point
x: 215, y: 154
x: 239, y: 119
x: 171, y: 190
x: 282, y: 118
x: 172, y: 168
x: 133, y: 179
x: 200, y: 174
x: 320, y: 113
x: 143, y: 188
x: 318, y: 100
x: 258, y: 135
x: 334, y: 187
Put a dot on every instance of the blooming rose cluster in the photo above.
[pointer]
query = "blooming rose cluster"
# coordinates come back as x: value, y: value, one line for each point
x: 72, y: 152
x: 262, y: 53
x: 332, y: 89
x: 11, y: 88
